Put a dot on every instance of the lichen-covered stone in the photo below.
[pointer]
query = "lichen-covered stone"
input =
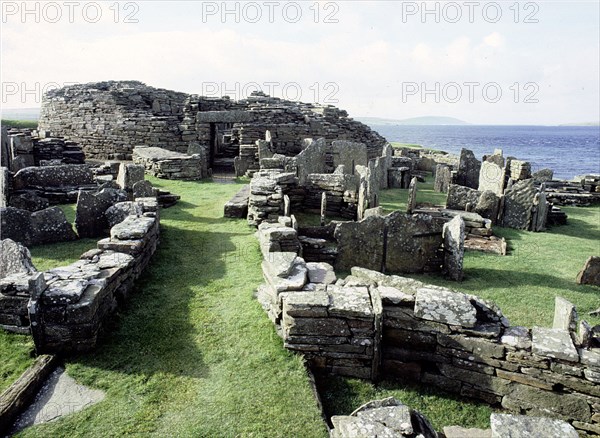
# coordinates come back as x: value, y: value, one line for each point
x: 590, y: 274
x: 555, y: 343
x: 14, y: 258
x: 445, y: 306
x: 521, y: 426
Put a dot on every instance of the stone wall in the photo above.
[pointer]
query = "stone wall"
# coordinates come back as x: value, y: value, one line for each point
x: 372, y: 325
x: 109, y: 118
x: 65, y: 308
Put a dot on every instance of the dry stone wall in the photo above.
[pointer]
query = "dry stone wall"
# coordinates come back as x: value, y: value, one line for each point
x: 65, y: 309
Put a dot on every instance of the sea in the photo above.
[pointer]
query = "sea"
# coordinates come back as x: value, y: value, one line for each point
x: 567, y: 150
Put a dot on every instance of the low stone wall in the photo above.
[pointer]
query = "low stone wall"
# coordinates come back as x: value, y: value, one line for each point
x: 65, y: 308
x: 391, y: 418
x: 372, y: 325
x: 167, y: 164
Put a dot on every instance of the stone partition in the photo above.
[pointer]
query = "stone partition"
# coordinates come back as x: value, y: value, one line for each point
x: 163, y: 163
x: 65, y: 308
x: 372, y: 325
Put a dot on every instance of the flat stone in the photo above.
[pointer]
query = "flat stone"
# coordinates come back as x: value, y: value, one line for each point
x: 350, y: 302
x: 280, y: 264
x: 61, y: 395
x: 521, y: 426
x: 590, y: 357
x: 64, y: 292
x: 445, y: 306
x: 462, y: 432
x: 132, y: 228
x: 394, y: 296
x: 306, y: 304
x: 353, y: 427
x: 320, y: 272
x: 555, y: 343
x: 396, y: 418
x: 517, y: 337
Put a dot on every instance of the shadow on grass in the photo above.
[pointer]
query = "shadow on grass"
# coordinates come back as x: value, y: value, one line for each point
x: 153, y: 333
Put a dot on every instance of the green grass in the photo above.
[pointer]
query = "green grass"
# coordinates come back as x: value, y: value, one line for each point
x: 16, y: 352
x: 32, y: 124
x: 193, y: 353
x: 524, y: 283
x: 341, y: 396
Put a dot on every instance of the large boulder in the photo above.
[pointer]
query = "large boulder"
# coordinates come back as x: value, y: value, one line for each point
x: 459, y: 197
x: 66, y: 175
x: 468, y: 169
x: 50, y: 226
x: 29, y: 200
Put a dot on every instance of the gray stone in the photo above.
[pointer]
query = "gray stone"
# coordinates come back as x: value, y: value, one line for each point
x: 397, y: 418
x: 521, y: 426
x: 50, y: 226
x: 29, y: 200
x: 462, y: 432
x: 412, y: 244
x: 454, y: 248
x: 353, y: 427
x: 555, y: 343
x: 306, y: 304
x: 565, y: 315
x: 60, y: 396
x: 367, y: 235
x: 67, y: 175
x: 4, y: 185
x: 393, y: 296
x: 118, y: 213
x: 311, y: 160
x: 445, y: 306
x: 320, y: 272
x: 488, y: 205
x: 376, y: 211
x: 518, y: 205
x: 129, y: 174
x: 349, y: 302
x: 15, y: 224
x: 443, y: 178
x: 349, y: 154
x: 518, y: 337
x: 491, y: 177
x: 14, y: 258
x: 132, y: 228
x: 411, y: 203
x: 590, y: 274
x: 543, y: 175
x: 459, y: 197
x: 468, y: 169
x: 280, y: 264
x: 143, y: 189
x: 90, y: 217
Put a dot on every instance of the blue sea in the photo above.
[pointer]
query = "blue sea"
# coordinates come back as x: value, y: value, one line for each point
x: 568, y: 150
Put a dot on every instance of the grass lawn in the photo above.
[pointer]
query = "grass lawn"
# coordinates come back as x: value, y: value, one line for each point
x: 193, y: 353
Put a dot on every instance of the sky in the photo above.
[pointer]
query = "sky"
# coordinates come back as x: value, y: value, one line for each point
x: 504, y: 62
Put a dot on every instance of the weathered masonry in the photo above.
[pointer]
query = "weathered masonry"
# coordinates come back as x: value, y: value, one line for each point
x: 108, y: 119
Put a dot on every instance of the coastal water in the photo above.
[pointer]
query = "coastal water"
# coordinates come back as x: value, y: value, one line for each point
x: 568, y: 150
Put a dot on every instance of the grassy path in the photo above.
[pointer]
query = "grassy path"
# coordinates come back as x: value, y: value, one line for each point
x: 193, y: 353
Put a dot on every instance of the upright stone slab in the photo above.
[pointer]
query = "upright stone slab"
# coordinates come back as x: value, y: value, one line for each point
x: 411, y: 203
x: 143, y: 189
x: 491, y: 177
x: 590, y: 274
x: 460, y: 196
x: 311, y: 160
x: 14, y: 258
x: 15, y: 224
x: 488, y: 205
x: 349, y: 154
x: 4, y: 186
x: 518, y: 205
x: 454, y: 248
x: 323, y: 208
x: 468, y: 169
x: 554, y: 343
x: 129, y: 174
x: 540, y: 211
x: 443, y: 178
x: 412, y: 243
x: 90, y: 217
x: 360, y: 244
x: 5, y: 155
x: 50, y: 226
x: 565, y: 315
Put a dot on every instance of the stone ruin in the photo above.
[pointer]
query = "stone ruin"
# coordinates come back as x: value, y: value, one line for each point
x: 65, y: 309
x: 110, y: 119
x: 372, y: 326
x: 22, y: 148
x: 391, y: 418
